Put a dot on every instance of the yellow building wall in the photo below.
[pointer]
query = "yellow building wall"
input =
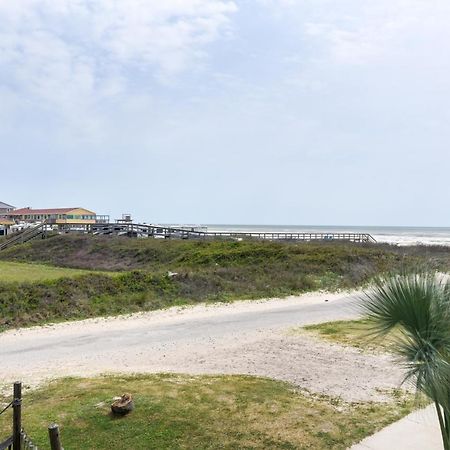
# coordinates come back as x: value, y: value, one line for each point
x: 75, y: 221
x: 81, y: 212
x: 78, y: 212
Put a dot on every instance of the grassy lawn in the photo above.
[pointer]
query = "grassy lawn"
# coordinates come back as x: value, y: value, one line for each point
x: 355, y: 333
x: 24, y: 272
x: 199, y: 412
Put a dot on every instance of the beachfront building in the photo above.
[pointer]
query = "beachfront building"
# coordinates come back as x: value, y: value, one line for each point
x: 5, y: 223
x: 54, y: 216
x: 5, y: 226
x: 5, y: 209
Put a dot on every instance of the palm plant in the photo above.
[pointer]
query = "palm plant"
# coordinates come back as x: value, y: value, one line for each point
x: 417, y: 306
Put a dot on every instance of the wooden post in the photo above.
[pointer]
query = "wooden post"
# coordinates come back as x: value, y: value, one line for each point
x: 53, y: 433
x: 17, y: 416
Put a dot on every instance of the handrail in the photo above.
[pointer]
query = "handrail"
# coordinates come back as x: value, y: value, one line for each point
x: 168, y: 231
x: 18, y: 237
x: 23, y: 236
x: 155, y: 230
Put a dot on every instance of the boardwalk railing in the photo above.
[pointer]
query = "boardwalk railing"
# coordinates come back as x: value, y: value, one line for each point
x: 19, y: 439
x: 23, y: 236
x: 167, y: 232
x: 156, y: 231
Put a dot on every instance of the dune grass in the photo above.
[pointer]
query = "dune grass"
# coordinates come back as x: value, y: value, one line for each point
x: 24, y: 272
x: 352, y: 263
x: 201, y: 412
x: 206, y: 271
x: 354, y: 333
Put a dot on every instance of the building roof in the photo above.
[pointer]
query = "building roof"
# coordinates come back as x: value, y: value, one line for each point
x: 24, y: 211
x: 5, y: 206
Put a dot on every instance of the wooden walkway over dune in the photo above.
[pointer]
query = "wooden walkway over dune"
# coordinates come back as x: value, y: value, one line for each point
x: 167, y: 232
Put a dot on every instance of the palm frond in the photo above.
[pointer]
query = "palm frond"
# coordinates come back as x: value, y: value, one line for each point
x: 418, y: 305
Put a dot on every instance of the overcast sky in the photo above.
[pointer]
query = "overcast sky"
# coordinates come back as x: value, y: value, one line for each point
x: 218, y: 111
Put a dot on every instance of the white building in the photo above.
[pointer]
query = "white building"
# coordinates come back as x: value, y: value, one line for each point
x: 5, y: 223
x: 5, y: 209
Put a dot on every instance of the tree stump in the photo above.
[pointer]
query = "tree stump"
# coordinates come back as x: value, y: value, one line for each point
x: 123, y: 405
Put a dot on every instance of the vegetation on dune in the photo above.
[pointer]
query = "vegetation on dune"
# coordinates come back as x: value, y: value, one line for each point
x: 355, y: 262
x: 25, y: 272
x: 94, y: 294
x: 205, y: 271
x: 82, y: 296
x: 202, y: 412
x: 417, y: 306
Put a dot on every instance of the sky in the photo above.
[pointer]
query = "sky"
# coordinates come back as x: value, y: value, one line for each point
x: 219, y: 111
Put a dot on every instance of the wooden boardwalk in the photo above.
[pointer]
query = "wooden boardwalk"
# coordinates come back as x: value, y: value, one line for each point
x: 165, y: 232
x: 168, y: 232
x: 23, y: 236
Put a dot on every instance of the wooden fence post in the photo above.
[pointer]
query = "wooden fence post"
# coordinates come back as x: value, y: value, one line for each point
x: 53, y: 433
x: 17, y: 416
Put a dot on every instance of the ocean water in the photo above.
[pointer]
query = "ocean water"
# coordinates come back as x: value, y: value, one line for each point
x: 391, y: 235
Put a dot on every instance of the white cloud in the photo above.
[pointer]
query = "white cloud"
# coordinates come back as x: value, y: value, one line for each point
x: 66, y: 65
x: 70, y: 49
x: 360, y: 32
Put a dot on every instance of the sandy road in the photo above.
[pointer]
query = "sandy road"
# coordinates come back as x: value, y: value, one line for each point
x: 242, y: 337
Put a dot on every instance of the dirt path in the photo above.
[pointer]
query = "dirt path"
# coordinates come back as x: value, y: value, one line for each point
x: 243, y: 337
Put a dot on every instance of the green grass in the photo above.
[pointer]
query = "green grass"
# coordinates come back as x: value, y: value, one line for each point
x: 88, y: 295
x: 207, y: 271
x: 351, y: 262
x: 199, y: 412
x: 354, y: 333
x: 25, y: 272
